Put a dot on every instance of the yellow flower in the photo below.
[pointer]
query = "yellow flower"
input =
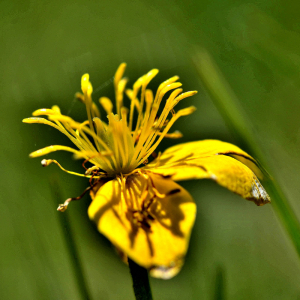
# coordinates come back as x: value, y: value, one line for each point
x: 136, y: 204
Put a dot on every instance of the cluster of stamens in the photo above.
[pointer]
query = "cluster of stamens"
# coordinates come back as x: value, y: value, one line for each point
x: 118, y: 147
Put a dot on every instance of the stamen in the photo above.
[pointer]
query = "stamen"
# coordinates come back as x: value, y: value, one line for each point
x: 82, y: 124
x: 119, y: 74
x: 149, y: 96
x: 127, y: 154
x: 124, y: 114
x: 119, y: 94
x: 40, y: 121
x: 162, y: 119
x: 91, y: 169
x: 132, y: 192
x: 120, y: 84
x: 166, y: 89
x: 113, y: 132
x: 140, y: 192
x: 163, y: 84
x: 184, y: 95
x: 166, y: 109
x: 106, y: 104
x: 83, y: 142
x: 57, y: 126
x: 136, y: 87
x: 180, y: 113
x: 80, y: 129
x: 56, y: 109
x: 100, y: 130
x: 175, y: 135
x: 53, y: 148
x: 149, y: 101
x: 142, y: 139
x: 95, y: 111
x: 117, y: 147
x: 123, y: 190
x: 63, y: 207
x: 150, y: 75
x: 43, y: 112
x: 91, y: 154
x: 87, y: 90
x: 145, y: 134
x: 47, y: 162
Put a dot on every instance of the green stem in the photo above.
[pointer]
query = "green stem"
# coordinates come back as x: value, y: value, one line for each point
x: 140, y: 280
x: 70, y: 243
x: 228, y: 106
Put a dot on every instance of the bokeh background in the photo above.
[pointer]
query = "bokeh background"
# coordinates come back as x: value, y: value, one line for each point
x: 237, y: 250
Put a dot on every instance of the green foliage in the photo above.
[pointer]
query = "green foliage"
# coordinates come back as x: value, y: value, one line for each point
x: 45, y: 48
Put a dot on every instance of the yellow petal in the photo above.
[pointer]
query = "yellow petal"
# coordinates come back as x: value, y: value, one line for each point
x: 212, y: 159
x: 158, y: 243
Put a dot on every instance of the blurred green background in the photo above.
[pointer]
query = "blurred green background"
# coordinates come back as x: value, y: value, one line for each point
x: 237, y: 250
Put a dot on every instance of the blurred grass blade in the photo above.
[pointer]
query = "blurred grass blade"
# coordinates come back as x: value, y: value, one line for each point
x: 228, y: 106
x: 219, y: 293
x: 70, y: 243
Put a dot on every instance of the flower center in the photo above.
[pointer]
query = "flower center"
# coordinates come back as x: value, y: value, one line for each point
x: 131, y: 135
x: 131, y: 145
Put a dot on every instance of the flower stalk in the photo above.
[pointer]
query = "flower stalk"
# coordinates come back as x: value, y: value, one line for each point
x: 140, y: 280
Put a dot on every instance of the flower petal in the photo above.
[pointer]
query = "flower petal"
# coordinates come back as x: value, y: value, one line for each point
x: 213, y: 160
x: 159, y: 242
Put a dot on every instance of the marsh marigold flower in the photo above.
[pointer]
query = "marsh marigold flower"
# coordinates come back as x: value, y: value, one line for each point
x: 136, y: 204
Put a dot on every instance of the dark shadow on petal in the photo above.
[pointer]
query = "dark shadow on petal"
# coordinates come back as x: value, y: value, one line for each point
x: 150, y: 245
x: 134, y: 230
x: 164, y: 216
x: 168, y: 211
x: 114, y: 201
x: 165, y: 161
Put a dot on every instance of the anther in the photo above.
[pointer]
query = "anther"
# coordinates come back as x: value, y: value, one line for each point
x: 91, y: 169
x: 46, y: 162
x: 62, y: 207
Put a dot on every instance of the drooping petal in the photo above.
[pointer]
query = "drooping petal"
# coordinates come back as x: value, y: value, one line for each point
x: 215, y: 160
x: 154, y: 234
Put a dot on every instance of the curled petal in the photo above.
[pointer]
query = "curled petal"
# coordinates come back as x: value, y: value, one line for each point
x: 215, y: 160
